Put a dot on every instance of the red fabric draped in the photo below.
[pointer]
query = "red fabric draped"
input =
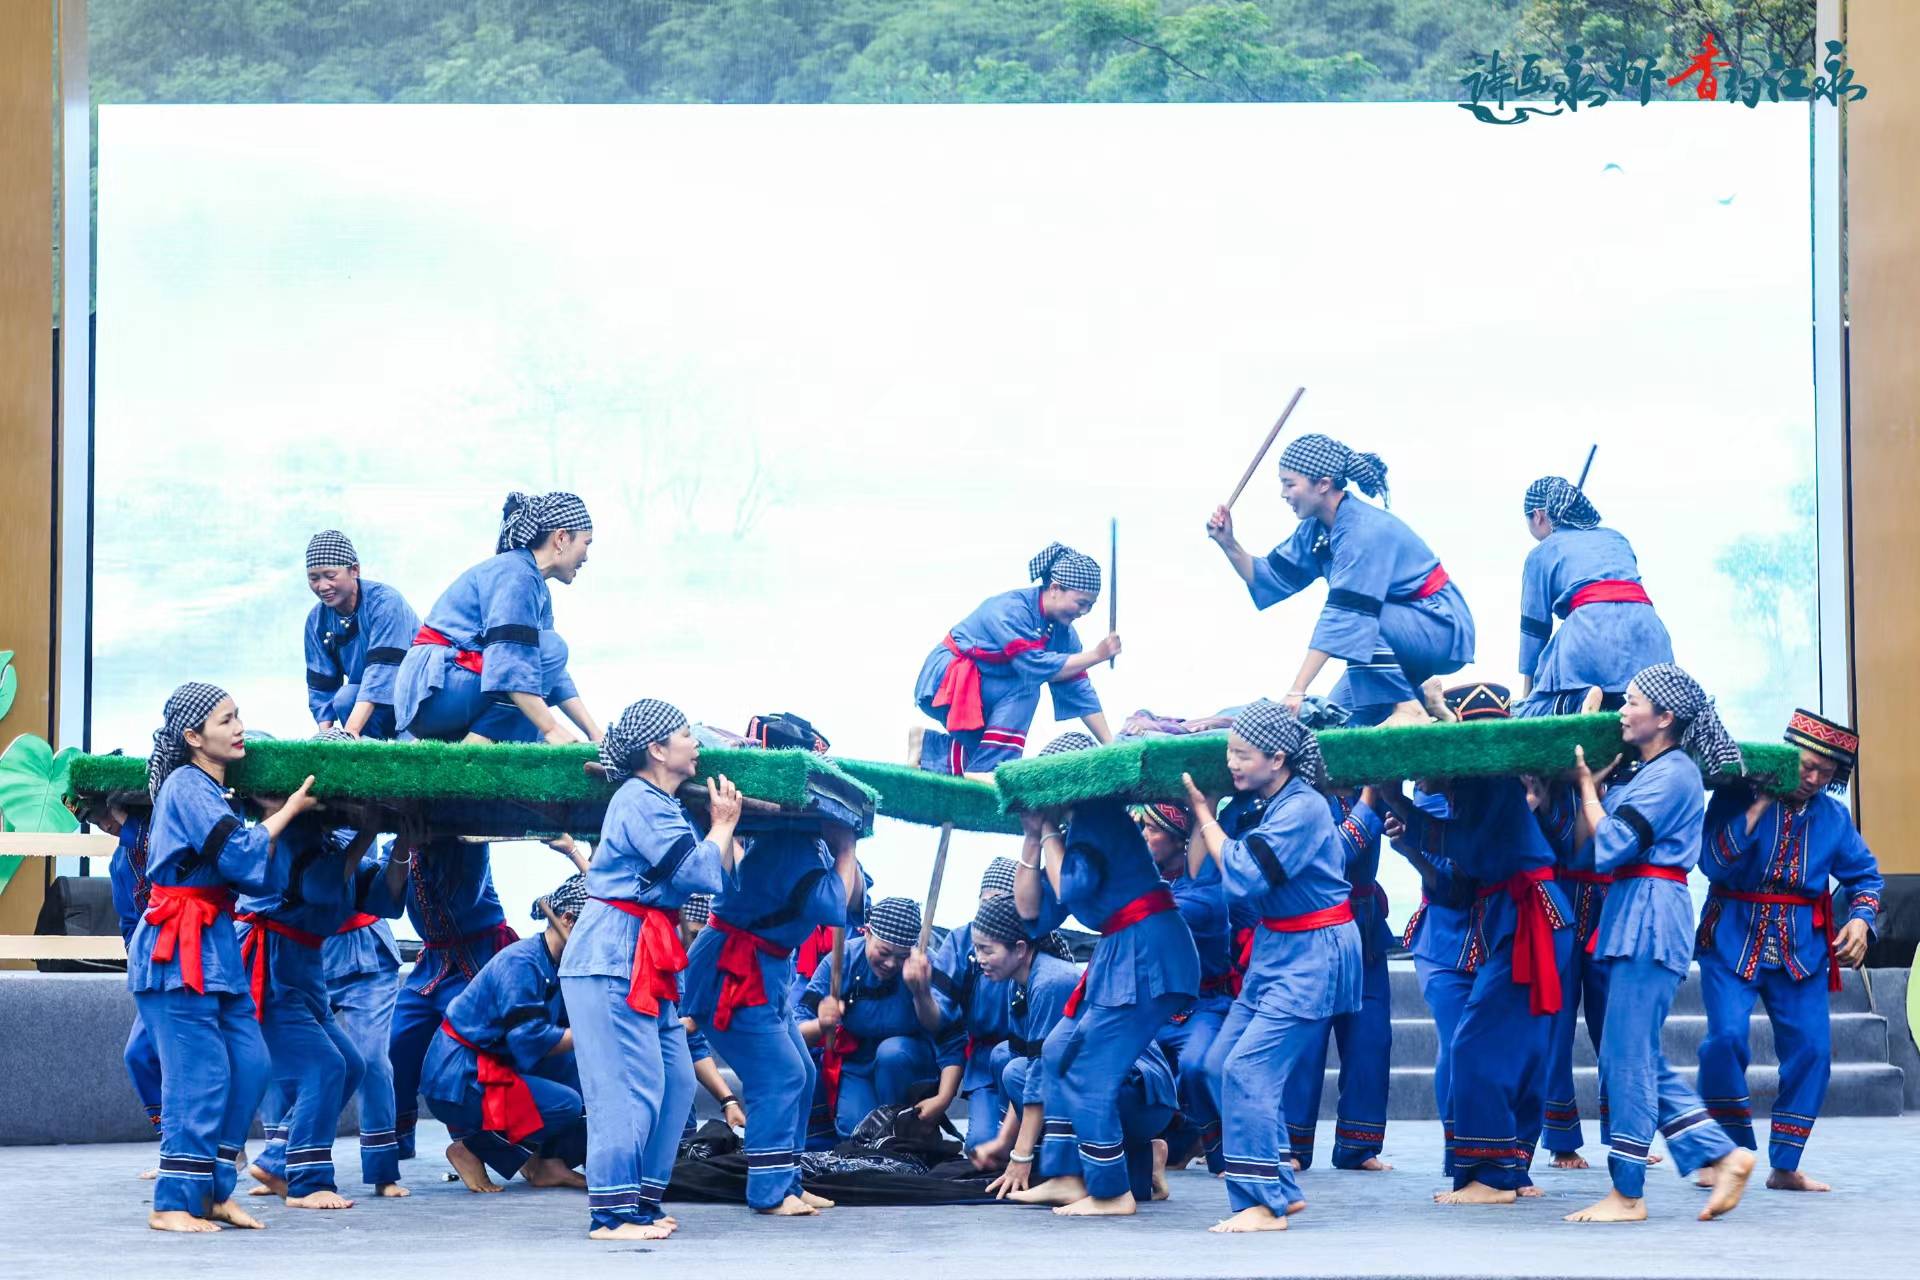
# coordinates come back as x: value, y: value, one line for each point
x: 1324, y: 918
x: 1821, y: 905
x: 182, y: 912
x: 358, y: 920
x: 1535, y: 966
x: 959, y: 690
x: 1435, y: 581
x: 1609, y: 591
x: 253, y: 953
x: 834, y: 1051
x: 506, y: 1102
x: 657, y: 956
x: 468, y: 658
x: 741, y: 984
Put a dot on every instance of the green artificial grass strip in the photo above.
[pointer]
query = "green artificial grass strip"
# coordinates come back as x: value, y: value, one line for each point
x: 1150, y: 768
x: 908, y: 794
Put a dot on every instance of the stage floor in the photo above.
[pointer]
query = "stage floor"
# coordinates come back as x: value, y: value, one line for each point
x: 79, y: 1211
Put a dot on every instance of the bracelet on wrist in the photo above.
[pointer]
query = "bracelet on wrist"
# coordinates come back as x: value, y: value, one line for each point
x: 1031, y: 866
x: 729, y: 1101
x: 1015, y: 1157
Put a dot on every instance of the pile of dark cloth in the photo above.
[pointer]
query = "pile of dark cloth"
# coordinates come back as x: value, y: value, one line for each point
x: 892, y: 1158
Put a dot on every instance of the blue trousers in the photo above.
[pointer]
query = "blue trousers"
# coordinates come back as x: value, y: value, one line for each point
x: 1801, y: 1033
x: 415, y: 1018
x: 1583, y: 985
x: 1140, y: 1124
x: 1446, y: 991
x: 765, y: 1049
x: 213, y: 1071
x: 1640, y: 1085
x: 1185, y: 1044
x: 459, y: 706
x: 636, y: 1078
x: 1086, y: 1059
x: 363, y: 1008
x: 887, y: 1079
x: 143, y: 1068
x: 562, y: 1134
x: 1365, y: 1038
x: 315, y: 1068
x: 1248, y: 1071
x: 1499, y: 1067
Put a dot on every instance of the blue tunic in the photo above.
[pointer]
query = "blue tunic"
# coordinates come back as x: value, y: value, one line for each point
x: 1202, y: 900
x: 1654, y: 817
x: 1489, y: 836
x: 650, y: 854
x: 1598, y: 645
x: 1441, y: 930
x: 355, y: 658
x: 973, y: 1009
x: 498, y: 608
x: 875, y: 1010
x: 199, y: 841
x: 1106, y: 866
x: 127, y: 875
x: 1010, y: 690
x: 1033, y: 1010
x: 453, y: 907
x: 781, y: 890
x: 1793, y: 849
x: 1290, y: 864
x: 370, y: 949
x: 512, y: 1008
x: 1359, y: 829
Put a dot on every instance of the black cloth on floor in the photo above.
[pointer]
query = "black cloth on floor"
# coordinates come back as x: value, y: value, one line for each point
x: 881, y: 1165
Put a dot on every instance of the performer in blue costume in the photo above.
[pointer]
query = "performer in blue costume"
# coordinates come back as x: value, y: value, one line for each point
x: 1587, y: 577
x: 362, y: 965
x: 355, y: 638
x: 1144, y: 970
x: 973, y: 1015
x: 1768, y: 933
x: 183, y: 961
x: 620, y: 973
x: 501, y: 1072
x: 1646, y: 833
x: 1305, y: 964
x: 488, y: 665
x: 982, y: 681
x: 1392, y: 613
x: 1583, y: 980
x: 127, y: 879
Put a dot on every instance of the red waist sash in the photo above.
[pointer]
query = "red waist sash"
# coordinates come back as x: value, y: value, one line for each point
x: 182, y: 912
x: 657, y: 956
x: 506, y: 1103
x: 253, y: 953
x: 358, y: 920
x: 959, y: 690
x: 1324, y: 918
x: 1820, y: 904
x: 982, y: 1044
x: 814, y: 948
x: 1638, y: 871
x: 1608, y: 591
x: 468, y: 658
x: 1150, y: 903
x: 1435, y: 581
x: 835, y: 1049
x: 1535, y: 966
x: 741, y: 984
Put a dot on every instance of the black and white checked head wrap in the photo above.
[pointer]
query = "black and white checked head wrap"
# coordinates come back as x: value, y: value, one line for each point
x: 1073, y: 741
x: 187, y: 708
x: 1061, y: 566
x: 1000, y: 920
x: 1565, y: 505
x: 1702, y: 736
x: 525, y: 520
x: 697, y: 909
x: 330, y: 547
x: 1316, y: 455
x: 641, y: 725
x: 1267, y: 726
x: 895, y: 921
x: 568, y: 900
x: 998, y: 879
x: 332, y: 734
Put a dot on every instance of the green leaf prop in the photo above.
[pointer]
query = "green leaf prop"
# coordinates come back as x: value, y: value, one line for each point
x: 33, y: 784
x: 9, y: 681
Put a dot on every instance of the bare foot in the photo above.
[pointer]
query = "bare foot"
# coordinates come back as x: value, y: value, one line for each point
x: 818, y: 1202
x: 1793, y: 1180
x: 1703, y: 1177
x: 1730, y: 1183
x: 1528, y: 1192
x: 1654, y: 1158
x: 1591, y: 703
x: 1408, y: 713
x: 390, y: 1190
x: 270, y: 1184
x: 320, y: 1200
x: 1433, y: 697
x: 1568, y: 1160
x: 629, y: 1231
x: 178, y: 1220
x: 1293, y: 1163
x: 473, y: 1173
x: 1615, y: 1208
x: 1160, y: 1189
x: 1118, y: 1207
x: 916, y: 737
x: 1296, y: 1207
x: 1054, y: 1191
x: 1373, y: 1164
x: 230, y: 1212
x: 148, y: 1175
x: 1474, y: 1193
x: 545, y: 1171
x: 1254, y: 1218
x: 791, y: 1207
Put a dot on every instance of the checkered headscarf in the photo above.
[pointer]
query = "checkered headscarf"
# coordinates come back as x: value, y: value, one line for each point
x: 697, y: 909
x: 1073, y: 741
x: 525, y: 520
x: 1170, y: 818
x: 187, y: 708
x: 1267, y: 726
x: 1314, y: 456
x: 895, y: 921
x: 568, y: 900
x: 999, y: 877
x: 330, y: 547
x: 1061, y: 566
x: 640, y: 726
x: 1825, y: 737
x: 1000, y: 920
x: 333, y: 734
x: 1702, y: 736
x: 1564, y: 504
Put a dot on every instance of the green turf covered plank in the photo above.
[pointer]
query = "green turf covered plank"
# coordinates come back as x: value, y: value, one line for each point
x: 909, y: 794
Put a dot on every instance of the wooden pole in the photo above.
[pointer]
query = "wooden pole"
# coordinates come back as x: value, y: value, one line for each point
x: 837, y: 965
x: 1581, y: 484
x: 933, y: 889
x: 1113, y: 584
x: 1265, y: 445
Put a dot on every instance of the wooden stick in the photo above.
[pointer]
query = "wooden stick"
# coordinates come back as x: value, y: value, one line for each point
x: 837, y: 963
x: 1265, y: 445
x: 933, y: 890
x: 1581, y: 484
x: 1113, y: 585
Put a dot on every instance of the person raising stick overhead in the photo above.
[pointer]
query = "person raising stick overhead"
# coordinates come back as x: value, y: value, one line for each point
x: 983, y: 680
x: 1391, y: 613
